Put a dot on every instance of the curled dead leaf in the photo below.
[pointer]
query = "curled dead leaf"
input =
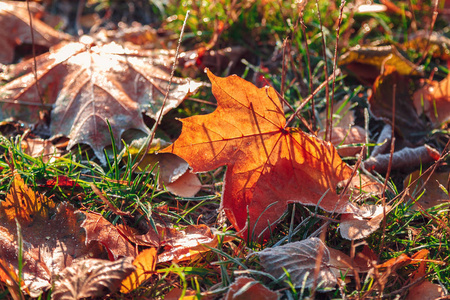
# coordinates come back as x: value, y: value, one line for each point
x: 404, y: 159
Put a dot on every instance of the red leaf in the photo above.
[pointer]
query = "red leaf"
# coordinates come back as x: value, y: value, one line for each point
x: 268, y: 165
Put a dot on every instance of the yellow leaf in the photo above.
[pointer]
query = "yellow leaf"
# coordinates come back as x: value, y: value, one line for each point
x: 145, y: 264
x: 23, y: 204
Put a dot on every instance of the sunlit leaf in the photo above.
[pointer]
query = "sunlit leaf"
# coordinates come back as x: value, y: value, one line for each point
x: 268, y: 165
x: 145, y: 264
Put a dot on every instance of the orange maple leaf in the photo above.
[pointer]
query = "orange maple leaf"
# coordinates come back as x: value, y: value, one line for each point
x: 269, y: 165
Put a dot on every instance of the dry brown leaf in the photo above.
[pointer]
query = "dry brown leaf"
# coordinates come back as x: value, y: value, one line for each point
x: 426, y: 290
x: 188, y: 185
x: 363, y: 223
x: 40, y: 148
x: 173, y: 171
x: 145, y: 264
x: 101, y: 230
x: 45, y: 252
x: 176, y: 294
x: 244, y: 288
x: 404, y: 159
x: 15, y: 30
x: 91, y: 278
x: 362, y: 186
x: 433, y: 194
x: 88, y: 84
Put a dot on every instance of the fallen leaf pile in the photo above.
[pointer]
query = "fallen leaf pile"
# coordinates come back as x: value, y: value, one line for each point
x: 146, y: 217
x: 67, y: 257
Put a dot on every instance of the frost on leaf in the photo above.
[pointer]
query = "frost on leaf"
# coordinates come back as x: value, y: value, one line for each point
x: 299, y: 259
x: 88, y: 85
x: 268, y: 166
x: 15, y: 29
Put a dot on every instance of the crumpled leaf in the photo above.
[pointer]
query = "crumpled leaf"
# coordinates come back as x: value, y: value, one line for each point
x: 268, y: 165
x: 179, y: 245
x: 299, y: 260
x: 89, y: 84
x: 91, y: 278
x: 432, y: 193
x: 15, y: 30
x: 145, y: 264
x: 45, y: 252
x: 366, y: 62
x: 434, y: 101
x: 244, y: 288
x: 404, y: 159
x: 407, y: 122
x: 101, y: 230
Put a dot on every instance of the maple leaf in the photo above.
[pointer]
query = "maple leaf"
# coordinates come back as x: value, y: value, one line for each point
x: 269, y: 165
x: 88, y: 84
x: 15, y: 30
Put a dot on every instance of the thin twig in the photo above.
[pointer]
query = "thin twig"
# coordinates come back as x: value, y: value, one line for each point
x: 433, y: 21
x: 158, y: 120
x: 327, y: 88
x: 341, y: 9
x: 388, y: 172
x: 33, y: 49
x: 310, y: 97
